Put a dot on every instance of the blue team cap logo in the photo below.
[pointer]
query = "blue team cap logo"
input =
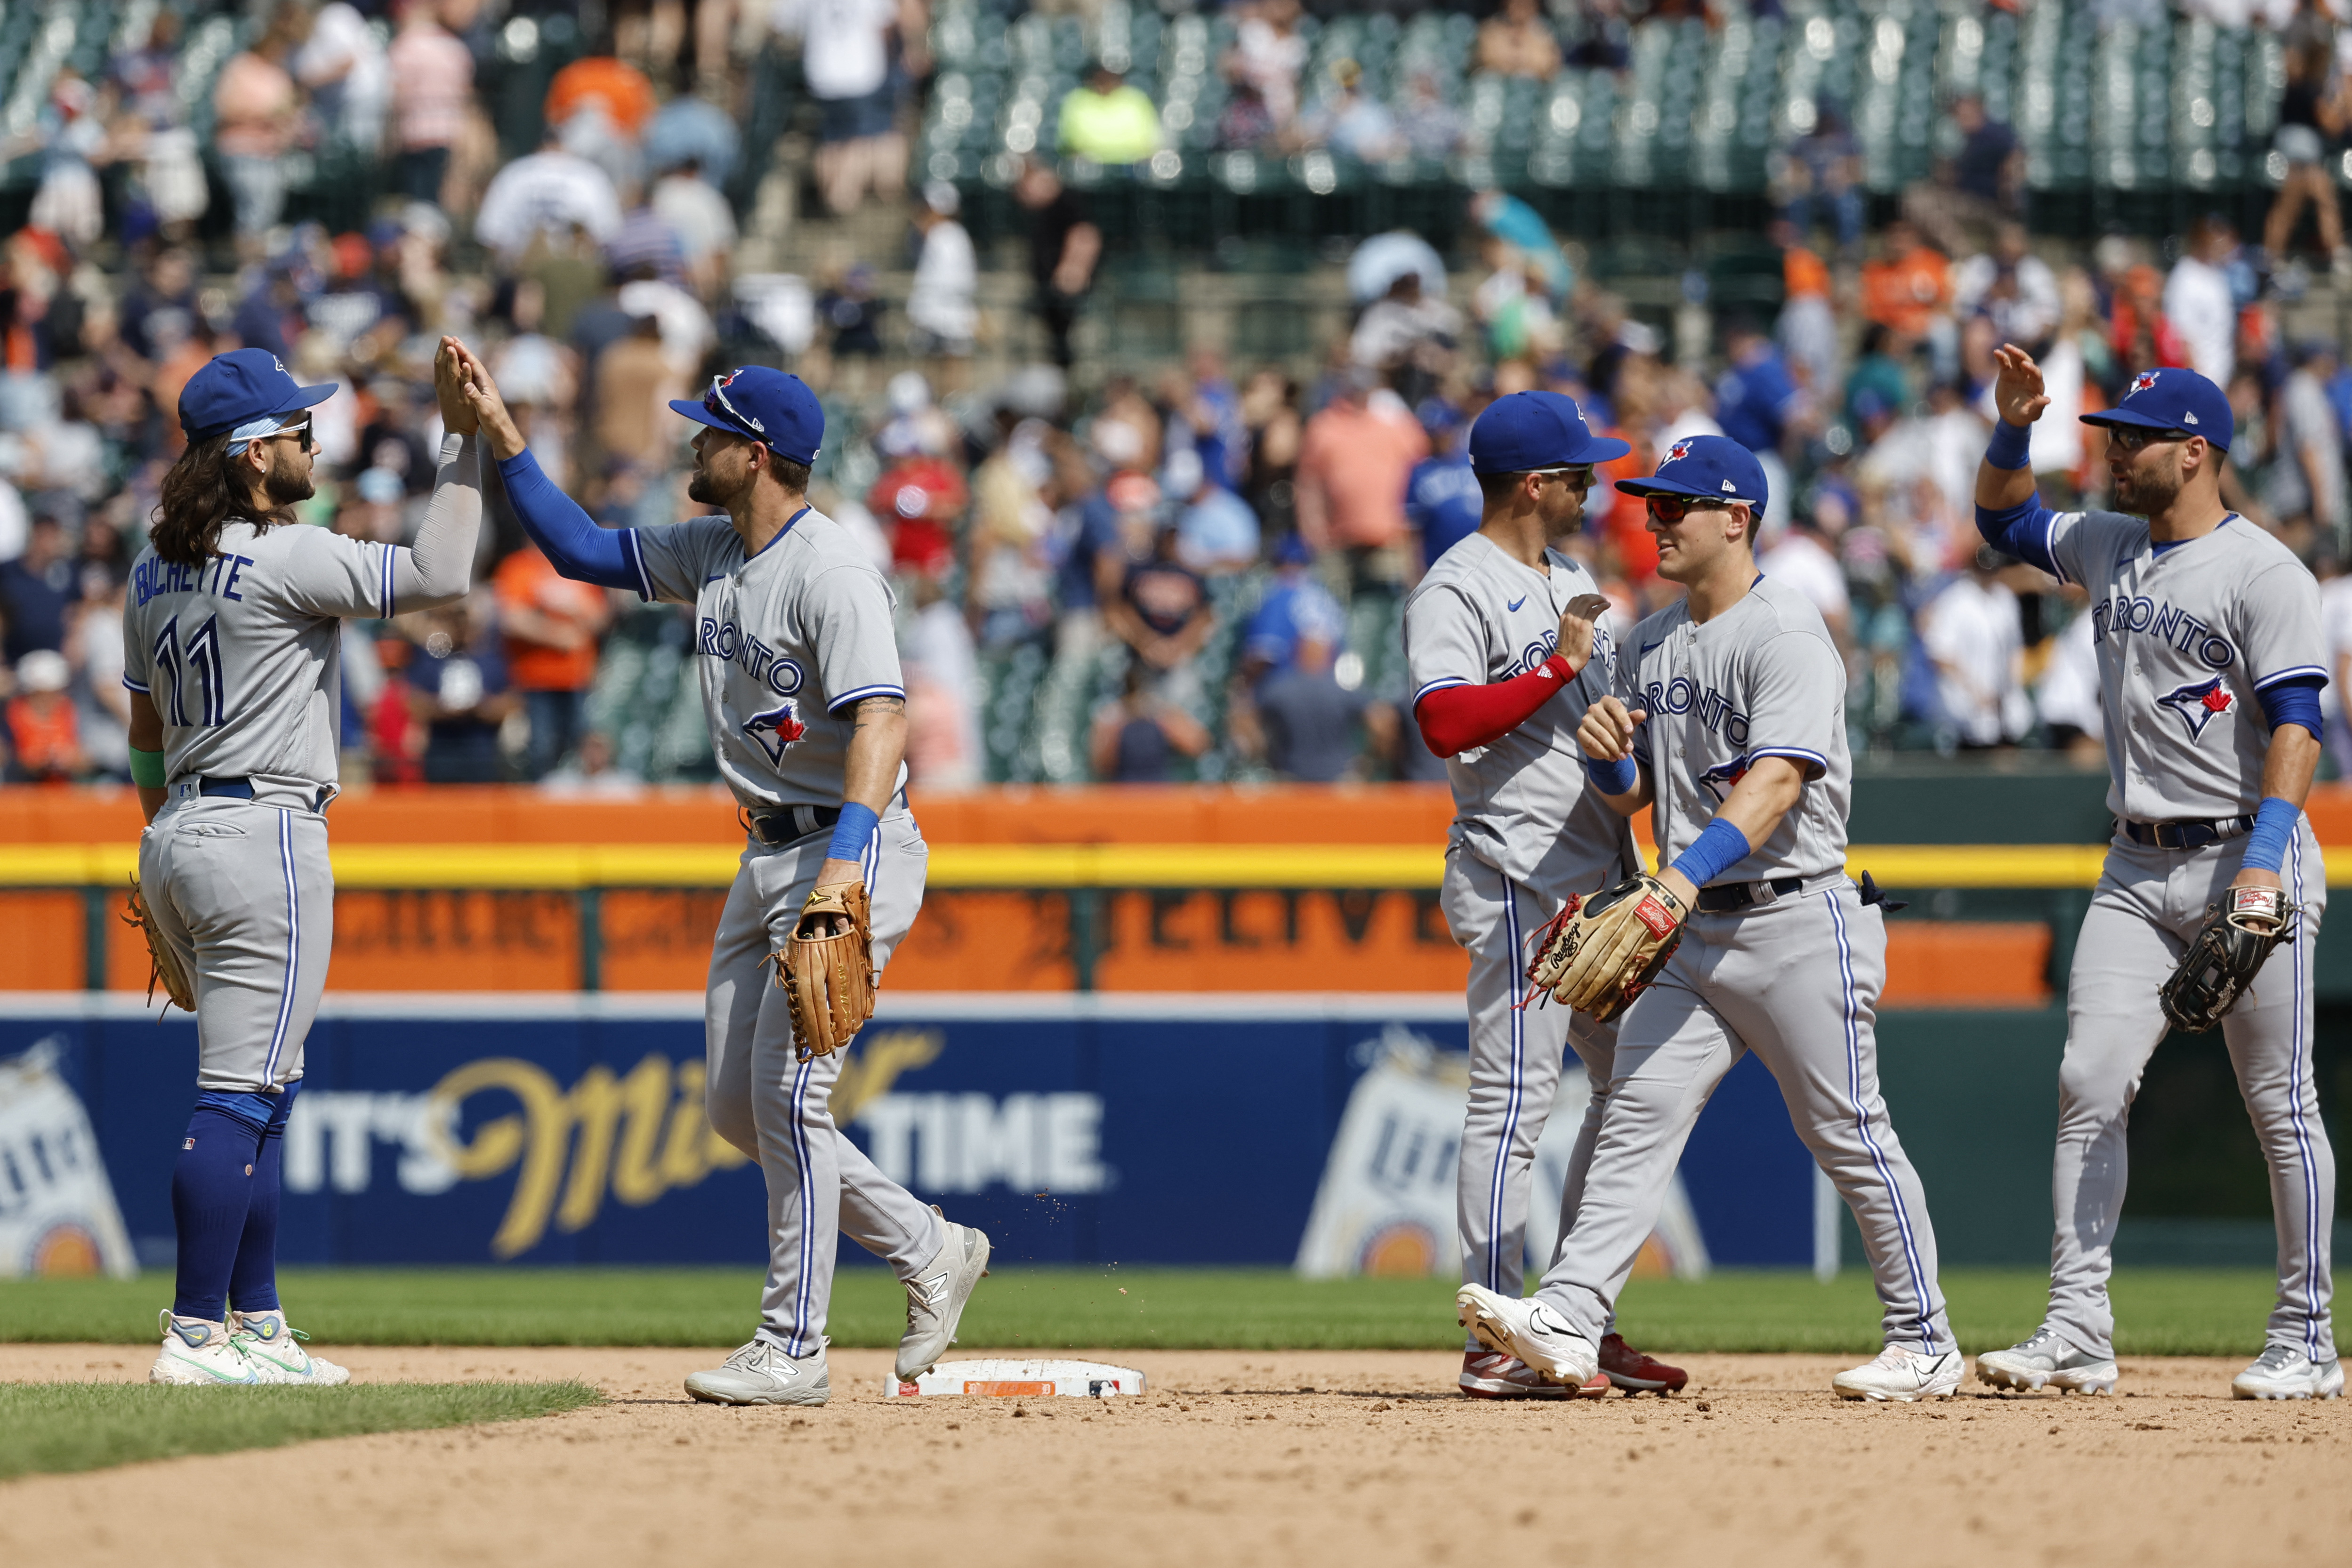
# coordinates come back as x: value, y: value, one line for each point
x: 775, y: 409
x: 1706, y: 468
x: 245, y: 386
x: 2172, y: 398
x: 1531, y: 431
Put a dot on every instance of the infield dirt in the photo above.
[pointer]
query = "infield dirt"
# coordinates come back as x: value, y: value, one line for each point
x: 1361, y: 1457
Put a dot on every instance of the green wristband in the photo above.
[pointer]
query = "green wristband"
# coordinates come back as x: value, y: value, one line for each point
x: 147, y: 768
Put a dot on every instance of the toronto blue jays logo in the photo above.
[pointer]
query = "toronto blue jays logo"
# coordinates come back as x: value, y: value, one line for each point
x: 719, y: 385
x: 2142, y: 382
x: 1676, y: 453
x: 1722, y: 779
x: 2199, y: 702
x: 776, y: 730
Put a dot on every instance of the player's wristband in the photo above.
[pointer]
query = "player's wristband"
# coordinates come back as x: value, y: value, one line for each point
x: 1716, y: 851
x: 853, y: 833
x: 147, y: 768
x: 2011, y: 445
x: 2275, y: 822
x: 1617, y: 777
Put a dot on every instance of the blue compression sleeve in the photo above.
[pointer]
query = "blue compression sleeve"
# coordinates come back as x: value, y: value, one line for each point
x: 2294, y: 701
x: 2275, y: 822
x: 1617, y: 777
x: 1716, y: 851
x: 853, y: 833
x: 2012, y: 445
x: 2022, y: 530
x: 574, y: 544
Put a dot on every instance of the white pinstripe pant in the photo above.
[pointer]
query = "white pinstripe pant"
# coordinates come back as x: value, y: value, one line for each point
x: 1515, y: 1058
x: 777, y: 1110
x: 2149, y: 903
x: 244, y: 894
x: 1796, y: 982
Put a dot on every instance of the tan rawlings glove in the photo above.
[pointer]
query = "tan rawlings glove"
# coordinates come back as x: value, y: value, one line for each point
x: 1598, y: 954
x: 164, y: 966
x: 827, y: 968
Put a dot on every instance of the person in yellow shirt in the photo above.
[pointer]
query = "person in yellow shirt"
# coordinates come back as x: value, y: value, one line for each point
x: 1104, y: 119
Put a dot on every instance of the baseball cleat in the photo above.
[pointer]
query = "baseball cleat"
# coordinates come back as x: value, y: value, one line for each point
x: 2283, y: 1372
x: 276, y: 1349
x: 1495, y: 1374
x: 936, y: 1298
x: 1902, y: 1374
x: 762, y: 1374
x: 1635, y: 1372
x: 1530, y: 1331
x: 199, y: 1352
x: 2047, y: 1361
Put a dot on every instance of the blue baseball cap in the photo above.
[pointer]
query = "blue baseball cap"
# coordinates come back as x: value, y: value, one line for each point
x: 767, y: 406
x: 1530, y: 431
x: 2173, y: 400
x: 1706, y: 467
x: 243, y: 387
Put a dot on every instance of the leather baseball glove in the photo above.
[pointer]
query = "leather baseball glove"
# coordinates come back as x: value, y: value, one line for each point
x: 1600, y: 953
x: 2227, y: 952
x: 164, y: 966
x: 827, y: 971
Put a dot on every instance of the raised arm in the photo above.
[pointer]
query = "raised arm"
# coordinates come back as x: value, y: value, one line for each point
x: 2009, y: 514
x: 571, y: 539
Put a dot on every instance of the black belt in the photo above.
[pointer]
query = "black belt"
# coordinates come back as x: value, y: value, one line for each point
x: 1733, y: 897
x: 242, y: 790
x: 2193, y: 835
x: 782, y: 824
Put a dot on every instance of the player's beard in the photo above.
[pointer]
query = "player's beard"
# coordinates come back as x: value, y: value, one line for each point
x: 290, y: 481
x: 703, y: 486
x: 2143, y: 491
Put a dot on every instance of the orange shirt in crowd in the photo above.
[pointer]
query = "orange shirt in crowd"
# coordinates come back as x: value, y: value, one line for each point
x: 1362, y: 459
x: 526, y: 581
x: 627, y: 95
x: 1903, y: 293
x: 44, y: 736
x: 1627, y: 528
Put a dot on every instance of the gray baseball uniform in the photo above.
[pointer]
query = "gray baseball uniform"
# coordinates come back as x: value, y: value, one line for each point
x: 2187, y: 639
x: 790, y: 640
x: 1525, y: 834
x: 1794, y: 977
x: 242, y: 658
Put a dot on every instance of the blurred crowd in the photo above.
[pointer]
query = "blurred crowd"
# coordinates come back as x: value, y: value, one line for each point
x: 1105, y: 570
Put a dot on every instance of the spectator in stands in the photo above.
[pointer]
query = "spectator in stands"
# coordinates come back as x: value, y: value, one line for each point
x: 348, y: 75
x: 692, y: 130
x: 1518, y: 41
x: 1216, y: 533
x: 1137, y: 739
x: 1821, y: 175
x: 36, y: 587
x: 592, y: 772
x: 2068, y: 695
x: 600, y: 107
x: 846, y: 49
x: 551, y: 626
x: 1268, y: 54
x: 1351, y: 121
x: 686, y: 200
x: 1432, y: 127
x: 1757, y: 401
x: 2199, y: 303
x: 2312, y: 115
x: 545, y: 198
x: 1808, y: 329
x: 44, y: 733
x: 2012, y: 289
x: 2304, y: 488
x: 942, y: 315
x: 433, y: 86
x: 1408, y: 337
x: 1980, y: 185
x: 1161, y: 611
x: 255, y: 107
x: 1296, y: 606
x: 1354, y: 463
x: 1064, y: 246
x: 1805, y: 558
x: 1972, y: 635
x: 1908, y: 291
x: 1442, y: 498
x: 1104, y: 119
x: 1269, y: 406
x: 459, y: 689
x: 1310, y: 720
x: 943, y: 688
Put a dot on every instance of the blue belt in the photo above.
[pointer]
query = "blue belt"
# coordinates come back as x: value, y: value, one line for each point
x: 242, y: 790
x: 2194, y: 835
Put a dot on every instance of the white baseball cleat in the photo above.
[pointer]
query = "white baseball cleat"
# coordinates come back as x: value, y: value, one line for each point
x: 2047, y: 1360
x: 276, y: 1350
x: 2283, y: 1372
x: 762, y: 1374
x: 936, y: 1298
x: 201, y: 1353
x: 1530, y: 1330
x: 1902, y: 1374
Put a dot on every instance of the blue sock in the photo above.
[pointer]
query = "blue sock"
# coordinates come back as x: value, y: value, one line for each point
x: 212, y: 1186
x: 253, y: 1278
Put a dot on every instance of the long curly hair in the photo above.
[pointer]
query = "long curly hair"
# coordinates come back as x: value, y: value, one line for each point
x: 205, y: 489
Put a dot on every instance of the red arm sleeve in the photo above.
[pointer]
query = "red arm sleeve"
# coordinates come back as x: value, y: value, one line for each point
x: 1458, y: 718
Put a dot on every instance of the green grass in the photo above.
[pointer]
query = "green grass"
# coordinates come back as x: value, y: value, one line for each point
x: 57, y: 1427
x: 2161, y: 1311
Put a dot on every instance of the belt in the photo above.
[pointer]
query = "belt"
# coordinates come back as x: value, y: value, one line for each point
x: 1731, y: 897
x: 242, y: 790
x: 2190, y: 835
x: 782, y: 824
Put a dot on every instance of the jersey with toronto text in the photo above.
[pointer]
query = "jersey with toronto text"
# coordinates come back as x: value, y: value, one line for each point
x: 1477, y: 617
x: 2186, y: 641
x: 787, y: 641
x: 1761, y: 679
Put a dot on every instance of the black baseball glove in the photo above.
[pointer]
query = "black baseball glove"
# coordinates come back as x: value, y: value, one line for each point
x: 2228, y: 950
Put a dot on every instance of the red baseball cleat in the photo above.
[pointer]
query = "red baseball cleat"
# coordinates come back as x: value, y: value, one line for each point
x: 1627, y: 1368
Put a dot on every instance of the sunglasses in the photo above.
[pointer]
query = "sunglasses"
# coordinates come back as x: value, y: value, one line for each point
x: 300, y: 432
x: 1675, y: 508
x: 1578, y: 474
x: 2136, y: 438
x: 718, y: 402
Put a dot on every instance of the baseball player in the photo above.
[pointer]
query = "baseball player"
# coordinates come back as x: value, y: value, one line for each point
x: 232, y: 643
x: 2195, y: 613
x: 1501, y: 627
x: 808, y: 720
x: 1732, y: 728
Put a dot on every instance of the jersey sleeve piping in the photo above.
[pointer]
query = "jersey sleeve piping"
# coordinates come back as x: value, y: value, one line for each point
x: 1440, y: 684
x: 1817, y: 764
x: 386, y: 596
x: 2301, y: 671
x: 636, y: 559
x: 129, y: 684
x: 861, y: 693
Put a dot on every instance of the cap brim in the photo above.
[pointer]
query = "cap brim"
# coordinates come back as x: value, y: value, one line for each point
x: 1677, y: 487
x: 311, y: 397
x: 1599, y: 449
x: 702, y: 415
